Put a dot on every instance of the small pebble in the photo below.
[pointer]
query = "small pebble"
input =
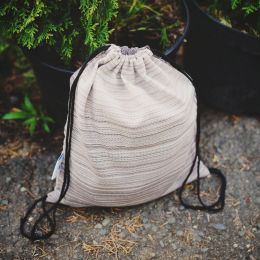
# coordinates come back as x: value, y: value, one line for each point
x: 179, y: 233
x: 257, y: 180
x: 122, y: 234
x: 161, y: 243
x: 218, y: 226
x: 145, y: 220
x: 4, y: 202
x: 147, y: 226
x: 241, y: 233
x: 201, y: 233
x: 170, y: 203
x: 23, y: 189
x: 106, y: 221
x: 257, y: 200
x: 119, y: 226
x: 235, y: 245
x: 103, y: 232
x: 204, y: 249
x: 8, y: 180
x: 172, y: 209
x: 152, y: 254
x: 196, y: 237
x: 171, y: 220
x: 135, y: 236
x: 154, y: 228
x: 174, y: 247
x: 257, y: 235
x: 98, y: 226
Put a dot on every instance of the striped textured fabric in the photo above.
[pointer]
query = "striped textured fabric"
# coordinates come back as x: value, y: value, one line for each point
x: 134, y: 129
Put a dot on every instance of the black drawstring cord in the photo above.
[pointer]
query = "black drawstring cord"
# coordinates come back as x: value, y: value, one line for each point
x: 33, y: 234
x: 220, y: 203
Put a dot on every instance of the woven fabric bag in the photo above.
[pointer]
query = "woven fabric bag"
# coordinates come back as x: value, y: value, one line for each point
x: 131, y: 135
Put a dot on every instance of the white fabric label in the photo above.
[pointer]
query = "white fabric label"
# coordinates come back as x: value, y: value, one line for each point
x: 59, y: 167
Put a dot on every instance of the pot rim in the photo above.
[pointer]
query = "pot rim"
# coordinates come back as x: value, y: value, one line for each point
x: 175, y: 46
x: 215, y: 20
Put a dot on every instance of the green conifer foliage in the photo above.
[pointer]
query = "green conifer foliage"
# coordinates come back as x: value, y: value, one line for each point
x: 70, y: 26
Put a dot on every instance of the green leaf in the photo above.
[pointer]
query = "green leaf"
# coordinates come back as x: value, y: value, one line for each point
x: 15, y: 115
x: 32, y: 128
x: 31, y: 123
x: 46, y: 127
x: 28, y: 106
x: 48, y: 119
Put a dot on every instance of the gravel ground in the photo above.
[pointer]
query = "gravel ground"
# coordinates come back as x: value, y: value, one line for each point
x: 161, y: 229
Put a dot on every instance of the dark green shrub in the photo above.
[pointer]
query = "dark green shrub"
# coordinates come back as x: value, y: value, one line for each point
x: 240, y: 14
x: 32, y: 118
x: 70, y: 27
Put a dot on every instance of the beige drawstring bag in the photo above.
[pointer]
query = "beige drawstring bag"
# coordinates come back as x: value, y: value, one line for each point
x: 131, y: 135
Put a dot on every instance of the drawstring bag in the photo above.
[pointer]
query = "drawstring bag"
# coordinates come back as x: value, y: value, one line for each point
x: 131, y: 136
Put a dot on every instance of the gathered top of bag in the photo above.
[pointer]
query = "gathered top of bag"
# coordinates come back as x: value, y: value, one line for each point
x: 131, y: 136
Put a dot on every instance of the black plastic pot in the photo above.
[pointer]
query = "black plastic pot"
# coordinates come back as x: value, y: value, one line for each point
x: 224, y: 63
x: 54, y: 80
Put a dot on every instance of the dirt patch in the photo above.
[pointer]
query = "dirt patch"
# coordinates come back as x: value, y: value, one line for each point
x: 160, y: 229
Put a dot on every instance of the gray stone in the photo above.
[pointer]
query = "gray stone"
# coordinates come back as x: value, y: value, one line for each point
x: 181, y: 208
x: 204, y: 249
x: 196, y: 237
x: 135, y: 236
x: 23, y: 189
x: 161, y: 243
x: 152, y: 255
x: 257, y: 180
x: 174, y: 246
x: 218, y: 226
x: 106, y: 221
x: 241, y: 233
x: 4, y: 202
x: 98, y: 226
x: 257, y: 200
x: 54, y: 236
x: 103, y: 231
x: 147, y: 226
x: 171, y: 220
x: 122, y: 234
x: 201, y: 233
x: 257, y: 235
x: 179, y: 233
x: 8, y: 180
x: 145, y: 220
x: 154, y: 228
